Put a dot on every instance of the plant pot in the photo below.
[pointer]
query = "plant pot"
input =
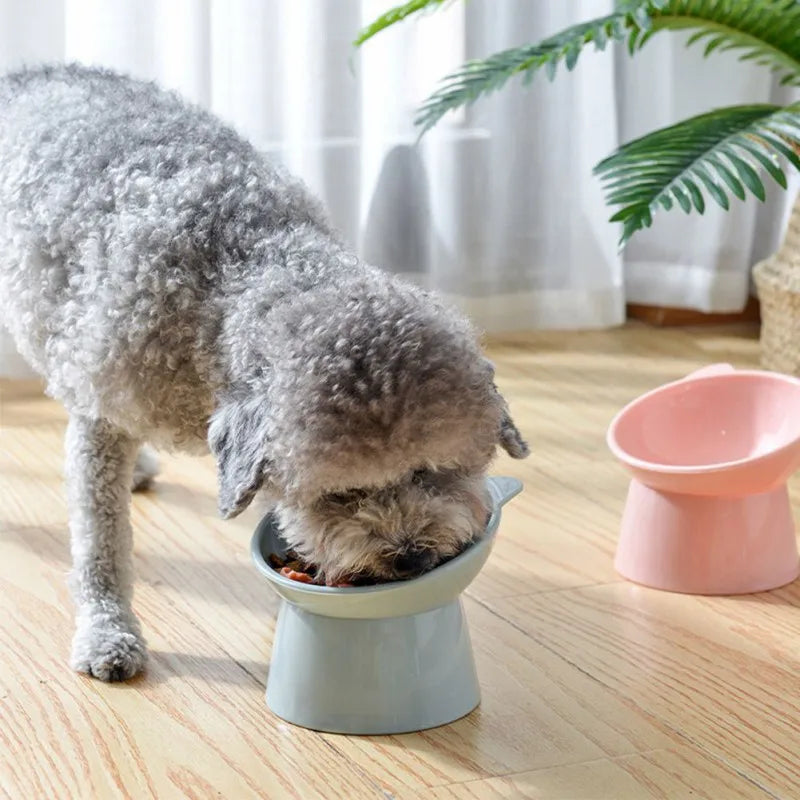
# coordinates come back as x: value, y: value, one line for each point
x: 777, y: 280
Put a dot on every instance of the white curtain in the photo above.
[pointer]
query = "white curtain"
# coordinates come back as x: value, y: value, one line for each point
x: 496, y: 207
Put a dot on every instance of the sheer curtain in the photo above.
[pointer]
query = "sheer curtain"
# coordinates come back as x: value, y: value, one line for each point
x: 496, y: 207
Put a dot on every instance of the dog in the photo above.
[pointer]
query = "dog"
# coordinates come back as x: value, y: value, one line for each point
x: 174, y: 287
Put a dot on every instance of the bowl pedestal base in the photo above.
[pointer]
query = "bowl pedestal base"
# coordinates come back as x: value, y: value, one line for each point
x: 707, y: 545
x: 372, y: 676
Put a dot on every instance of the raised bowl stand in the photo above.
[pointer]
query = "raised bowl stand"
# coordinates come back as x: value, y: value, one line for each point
x: 376, y: 660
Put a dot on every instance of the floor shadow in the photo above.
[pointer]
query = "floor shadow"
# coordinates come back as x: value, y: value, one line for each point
x: 164, y: 665
x: 460, y: 744
x: 176, y: 494
x: 221, y: 669
x: 784, y: 596
x: 232, y: 584
x: 224, y: 583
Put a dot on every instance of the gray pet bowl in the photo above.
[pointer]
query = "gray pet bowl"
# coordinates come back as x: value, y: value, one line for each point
x: 380, y: 659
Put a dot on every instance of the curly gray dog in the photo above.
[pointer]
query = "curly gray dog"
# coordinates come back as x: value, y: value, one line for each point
x: 174, y: 287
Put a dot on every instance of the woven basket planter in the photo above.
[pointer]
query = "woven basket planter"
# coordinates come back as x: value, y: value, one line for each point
x: 777, y: 280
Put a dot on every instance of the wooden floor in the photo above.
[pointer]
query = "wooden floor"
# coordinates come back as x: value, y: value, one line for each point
x: 592, y: 687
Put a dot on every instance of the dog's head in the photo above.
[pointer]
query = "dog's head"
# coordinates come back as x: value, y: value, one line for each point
x: 372, y: 437
x: 389, y: 533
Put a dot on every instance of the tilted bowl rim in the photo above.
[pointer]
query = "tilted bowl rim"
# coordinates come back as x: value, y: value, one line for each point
x: 693, y: 469
x: 499, y: 497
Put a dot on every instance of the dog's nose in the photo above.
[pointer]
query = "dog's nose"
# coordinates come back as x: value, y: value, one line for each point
x: 411, y: 562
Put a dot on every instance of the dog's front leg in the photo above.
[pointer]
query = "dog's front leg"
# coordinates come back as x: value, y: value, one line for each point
x: 100, y: 459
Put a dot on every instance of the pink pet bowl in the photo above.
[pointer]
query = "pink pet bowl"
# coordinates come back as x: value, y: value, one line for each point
x: 708, y: 509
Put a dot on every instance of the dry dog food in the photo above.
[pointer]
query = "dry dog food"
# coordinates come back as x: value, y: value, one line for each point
x: 293, y: 567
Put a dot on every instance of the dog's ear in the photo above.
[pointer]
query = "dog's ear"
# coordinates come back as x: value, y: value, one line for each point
x: 511, y: 439
x: 238, y: 439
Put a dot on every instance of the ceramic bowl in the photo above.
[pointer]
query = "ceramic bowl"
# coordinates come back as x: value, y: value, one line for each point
x: 708, y: 508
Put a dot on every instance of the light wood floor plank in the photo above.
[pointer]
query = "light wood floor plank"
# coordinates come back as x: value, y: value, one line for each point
x: 677, y: 773
x: 681, y: 660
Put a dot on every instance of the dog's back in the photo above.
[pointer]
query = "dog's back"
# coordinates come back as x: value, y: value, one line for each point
x: 126, y: 216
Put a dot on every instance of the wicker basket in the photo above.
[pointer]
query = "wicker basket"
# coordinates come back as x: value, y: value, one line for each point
x: 777, y: 280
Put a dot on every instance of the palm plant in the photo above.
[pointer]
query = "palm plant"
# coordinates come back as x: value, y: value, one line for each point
x: 712, y: 155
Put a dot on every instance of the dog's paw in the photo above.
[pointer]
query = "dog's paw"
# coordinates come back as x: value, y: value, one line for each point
x: 111, y: 650
x: 145, y: 469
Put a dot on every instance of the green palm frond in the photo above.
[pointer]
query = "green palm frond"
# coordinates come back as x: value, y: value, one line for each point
x: 707, y: 155
x: 765, y: 31
x: 395, y: 15
x: 479, y: 77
